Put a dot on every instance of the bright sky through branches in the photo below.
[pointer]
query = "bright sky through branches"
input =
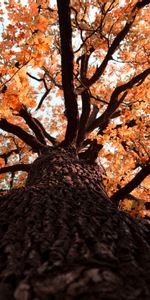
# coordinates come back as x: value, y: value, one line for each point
x: 111, y: 49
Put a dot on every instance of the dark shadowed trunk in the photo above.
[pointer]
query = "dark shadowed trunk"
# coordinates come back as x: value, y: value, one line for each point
x: 62, y: 238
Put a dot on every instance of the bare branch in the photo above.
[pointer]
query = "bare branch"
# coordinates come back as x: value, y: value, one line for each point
x: 88, y: 37
x: 131, y: 197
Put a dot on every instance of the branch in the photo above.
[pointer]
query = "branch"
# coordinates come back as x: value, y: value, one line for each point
x: 84, y: 65
x: 45, y: 133
x: 93, y: 115
x: 120, y: 37
x: 131, y: 197
x: 86, y: 107
x: 20, y: 133
x: 15, y: 168
x: 18, y: 69
x: 116, y: 114
x: 12, y: 180
x: 33, y: 77
x: 42, y: 99
x: 91, y: 153
x: 130, y: 186
x: 98, y: 99
x: 84, y: 117
x: 46, y: 88
x: 104, y: 119
x: 93, y: 31
x: 70, y: 98
x: 138, y: 79
x: 53, y: 80
x: 32, y: 124
x: 142, y: 3
x: 6, y: 155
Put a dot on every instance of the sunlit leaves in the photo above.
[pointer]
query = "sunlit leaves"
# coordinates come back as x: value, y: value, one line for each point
x: 30, y: 42
x: 41, y: 23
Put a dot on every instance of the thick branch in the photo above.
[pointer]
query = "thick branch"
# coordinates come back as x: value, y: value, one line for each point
x: 91, y: 153
x: 130, y: 186
x: 15, y: 168
x: 86, y: 107
x: 131, y: 197
x: 137, y: 79
x: 32, y: 124
x: 84, y: 117
x: 67, y: 70
x: 20, y: 133
x: 93, y: 115
x: 84, y: 65
x: 142, y: 3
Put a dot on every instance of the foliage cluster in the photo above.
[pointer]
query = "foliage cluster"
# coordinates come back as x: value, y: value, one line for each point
x: 77, y: 72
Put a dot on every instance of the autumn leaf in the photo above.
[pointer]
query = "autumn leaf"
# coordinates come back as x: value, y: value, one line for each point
x: 41, y: 23
x: 105, y: 64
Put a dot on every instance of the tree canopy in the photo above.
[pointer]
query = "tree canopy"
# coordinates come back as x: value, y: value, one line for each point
x: 77, y: 73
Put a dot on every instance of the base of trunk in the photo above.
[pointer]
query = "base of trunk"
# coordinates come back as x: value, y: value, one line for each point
x: 61, y: 238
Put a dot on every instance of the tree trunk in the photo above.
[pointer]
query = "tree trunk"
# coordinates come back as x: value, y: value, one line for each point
x: 62, y: 238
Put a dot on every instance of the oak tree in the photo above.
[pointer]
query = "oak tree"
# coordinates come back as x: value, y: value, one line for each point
x: 74, y: 116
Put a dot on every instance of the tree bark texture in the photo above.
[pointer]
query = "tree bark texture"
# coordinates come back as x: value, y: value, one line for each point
x: 63, y: 239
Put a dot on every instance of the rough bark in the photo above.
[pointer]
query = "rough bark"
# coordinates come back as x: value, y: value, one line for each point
x: 63, y: 239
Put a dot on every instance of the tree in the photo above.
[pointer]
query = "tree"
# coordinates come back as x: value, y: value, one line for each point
x: 62, y: 237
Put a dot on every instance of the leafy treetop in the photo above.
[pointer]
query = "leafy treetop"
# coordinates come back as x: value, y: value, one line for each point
x: 77, y: 72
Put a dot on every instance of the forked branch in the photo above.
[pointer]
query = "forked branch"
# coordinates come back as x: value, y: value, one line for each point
x: 118, y: 39
x: 45, y: 133
x: 23, y: 135
x: 32, y: 124
x: 114, y: 103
